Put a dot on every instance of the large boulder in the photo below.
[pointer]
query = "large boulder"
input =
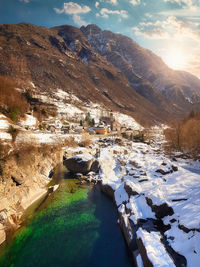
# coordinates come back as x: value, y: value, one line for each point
x: 79, y: 164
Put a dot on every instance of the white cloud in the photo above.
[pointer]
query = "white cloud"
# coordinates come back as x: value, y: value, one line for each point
x: 59, y: 11
x: 182, y: 12
x: 172, y: 28
x: 148, y: 15
x: 72, y: 8
x: 79, y: 21
x: 153, y: 33
x: 183, y: 29
x: 104, y: 12
x: 189, y: 3
x: 113, y: 2
x: 135, y: 2
x: 25, y: 1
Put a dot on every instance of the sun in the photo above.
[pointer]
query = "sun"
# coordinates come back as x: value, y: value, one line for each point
x: 175, y: 59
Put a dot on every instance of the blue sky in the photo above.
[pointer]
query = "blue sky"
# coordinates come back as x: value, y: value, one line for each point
x: 170, y: 28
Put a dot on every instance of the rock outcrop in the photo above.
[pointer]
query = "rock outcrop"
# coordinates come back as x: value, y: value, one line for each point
x: 160, y: 210
x: 24, y: 179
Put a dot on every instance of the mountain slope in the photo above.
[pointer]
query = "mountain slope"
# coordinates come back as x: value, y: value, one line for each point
x: 96, y: 66
x: 146, y: 72
x: 62, y: 58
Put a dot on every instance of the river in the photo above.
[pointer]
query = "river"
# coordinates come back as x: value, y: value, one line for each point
x: 75, y: 226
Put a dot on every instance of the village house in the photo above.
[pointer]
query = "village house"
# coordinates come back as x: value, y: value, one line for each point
x: 100, y: 130
x: 65, y: 129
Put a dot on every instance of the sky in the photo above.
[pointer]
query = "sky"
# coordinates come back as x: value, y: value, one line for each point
x: 170, y: 28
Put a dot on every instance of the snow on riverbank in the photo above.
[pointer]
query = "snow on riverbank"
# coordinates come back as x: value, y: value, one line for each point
x: 155, y: 249
x: 157, y: 184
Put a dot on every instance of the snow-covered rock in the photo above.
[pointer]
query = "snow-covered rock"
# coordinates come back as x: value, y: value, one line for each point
x: 173, y: 196
x: 152, y: 249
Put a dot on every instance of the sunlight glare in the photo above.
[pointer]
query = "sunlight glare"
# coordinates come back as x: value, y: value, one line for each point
x: 175, y: 59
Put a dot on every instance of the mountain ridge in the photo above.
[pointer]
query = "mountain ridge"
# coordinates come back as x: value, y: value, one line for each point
x: 63, y: 57
x: 144, y: 64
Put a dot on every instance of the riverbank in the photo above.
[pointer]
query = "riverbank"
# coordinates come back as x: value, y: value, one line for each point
x: 156, y: 196
x: 157, y: 199
x: 69, y: 229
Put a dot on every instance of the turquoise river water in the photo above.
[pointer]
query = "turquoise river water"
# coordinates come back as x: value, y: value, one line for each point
x: 75, y: 226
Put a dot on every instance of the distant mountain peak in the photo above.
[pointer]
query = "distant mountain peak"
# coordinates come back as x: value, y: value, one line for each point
x: 91, y: 29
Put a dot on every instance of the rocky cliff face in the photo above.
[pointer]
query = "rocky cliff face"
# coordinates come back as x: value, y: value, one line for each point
x: 24, y: 176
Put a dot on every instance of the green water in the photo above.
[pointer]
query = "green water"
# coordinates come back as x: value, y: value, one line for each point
x: 75, y: 226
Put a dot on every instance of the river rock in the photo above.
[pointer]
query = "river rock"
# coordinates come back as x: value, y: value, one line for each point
x: 123, y: 162
x: 107, y: 189
x: 79, y: 175
x: 132, y: 189
x: 79, y: 164
x: 134, y: 164
x: 171, y: 169
x: 161, y: 171
x: 95, y: 166
x: 174, y: 168
x: 160, y: 210
x: 187, y: 230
